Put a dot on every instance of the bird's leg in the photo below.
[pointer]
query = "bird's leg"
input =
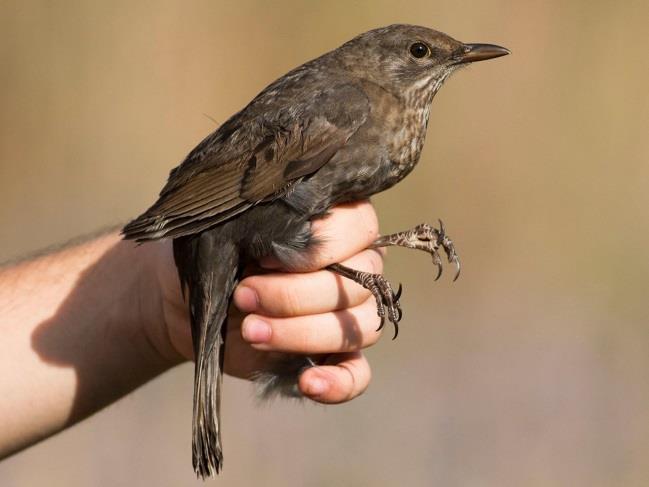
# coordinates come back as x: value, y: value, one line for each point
x: 387, y: 301
x: 423, y: 237
x: 427, y: 238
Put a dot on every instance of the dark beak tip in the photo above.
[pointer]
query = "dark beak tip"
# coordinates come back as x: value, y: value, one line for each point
x: 482, y: 52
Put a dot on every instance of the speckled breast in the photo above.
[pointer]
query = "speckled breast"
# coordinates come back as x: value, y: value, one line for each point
x: 408, y: 139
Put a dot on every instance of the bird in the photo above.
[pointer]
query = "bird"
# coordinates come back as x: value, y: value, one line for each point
x: 339, y: 128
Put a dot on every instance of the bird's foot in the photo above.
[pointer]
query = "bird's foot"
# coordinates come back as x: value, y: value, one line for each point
x: 387, y: 301
x: 427, y: 238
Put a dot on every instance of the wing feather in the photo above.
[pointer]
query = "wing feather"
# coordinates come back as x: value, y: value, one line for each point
x: 251, y: 159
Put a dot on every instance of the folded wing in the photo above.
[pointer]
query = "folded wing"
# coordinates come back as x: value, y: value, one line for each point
x: 251, y: 159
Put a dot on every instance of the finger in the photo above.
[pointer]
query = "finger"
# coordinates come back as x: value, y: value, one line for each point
x: 241, y: 359
x: 338, y: 331
x: 345, y: 231
x: 347, y: 377
x: 299, y: 294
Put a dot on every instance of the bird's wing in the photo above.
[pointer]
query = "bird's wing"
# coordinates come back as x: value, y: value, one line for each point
x: 252, y: 159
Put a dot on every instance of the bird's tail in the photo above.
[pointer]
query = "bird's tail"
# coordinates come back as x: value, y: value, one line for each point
x: 208, y: 268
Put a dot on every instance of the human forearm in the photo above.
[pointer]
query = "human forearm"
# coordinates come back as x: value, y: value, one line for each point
x: 73, y: 336
x: 84, y: 326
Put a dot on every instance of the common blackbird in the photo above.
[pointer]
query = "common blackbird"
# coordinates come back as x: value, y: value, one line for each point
x: 339, y: 128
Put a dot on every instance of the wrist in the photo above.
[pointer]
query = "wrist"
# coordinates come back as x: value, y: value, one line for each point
x: 165, y: 318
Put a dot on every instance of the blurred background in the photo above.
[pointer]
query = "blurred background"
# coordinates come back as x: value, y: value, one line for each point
x: 532, y: 369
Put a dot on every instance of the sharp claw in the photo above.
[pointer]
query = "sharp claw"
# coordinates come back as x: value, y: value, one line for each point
x: 397, y: 295
x: 441, y: 228
x: 396, y: 331
x: 457, y: 264
x: 381, y: 324
x: 439, y: 270
x: 400, y: 311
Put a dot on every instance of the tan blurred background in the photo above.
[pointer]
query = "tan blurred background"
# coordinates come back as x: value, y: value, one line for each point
x: 532, y: 369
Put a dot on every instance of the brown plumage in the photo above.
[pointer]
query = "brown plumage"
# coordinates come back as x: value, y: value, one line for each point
x: 339, y: 128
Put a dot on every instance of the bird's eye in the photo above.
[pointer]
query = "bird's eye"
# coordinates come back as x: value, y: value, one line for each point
x: 419, y: 50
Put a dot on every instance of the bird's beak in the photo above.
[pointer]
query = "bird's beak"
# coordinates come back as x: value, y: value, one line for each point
x: 480, y: 52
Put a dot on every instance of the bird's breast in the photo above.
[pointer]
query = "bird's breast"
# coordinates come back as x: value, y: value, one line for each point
x: 407, y: 139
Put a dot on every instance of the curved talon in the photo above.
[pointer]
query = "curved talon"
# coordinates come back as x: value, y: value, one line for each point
x: 396, y: 330
x: 400, y: 311
x: 457, y: 264
x: 381, y: 324
x: 442, y: 232
x: 439, y: 270
x: 397, y: 295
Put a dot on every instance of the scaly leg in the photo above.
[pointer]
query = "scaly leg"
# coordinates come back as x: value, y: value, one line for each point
x: 387, y: 301
x: 422, y: 237
x: 427, y: 238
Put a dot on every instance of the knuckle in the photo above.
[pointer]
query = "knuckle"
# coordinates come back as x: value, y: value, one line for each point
x: 371, y: 222
x: 371, y: 321
x: 358, y: 374
x: 362, y: 381
x: 351, y: 384
x: 368, y: 260
x: 376, y: 261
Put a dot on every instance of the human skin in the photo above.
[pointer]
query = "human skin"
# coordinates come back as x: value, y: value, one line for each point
x: 86, y: 325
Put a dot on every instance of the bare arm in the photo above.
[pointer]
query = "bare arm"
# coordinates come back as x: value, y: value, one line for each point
x: 82, y: 327
x: 72, y: 338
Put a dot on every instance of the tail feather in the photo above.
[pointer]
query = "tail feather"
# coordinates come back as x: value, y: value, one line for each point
x: 208, y: 269
x: 207, y: 451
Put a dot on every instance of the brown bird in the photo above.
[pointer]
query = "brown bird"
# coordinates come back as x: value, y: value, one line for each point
x: 339, y: 128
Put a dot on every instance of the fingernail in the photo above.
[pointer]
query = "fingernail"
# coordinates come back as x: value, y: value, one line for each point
x: 317, y: 386
x: 255, y: 330
x: 246, y: 299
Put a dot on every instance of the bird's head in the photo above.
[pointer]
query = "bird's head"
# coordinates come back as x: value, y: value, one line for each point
x: 402, y: 57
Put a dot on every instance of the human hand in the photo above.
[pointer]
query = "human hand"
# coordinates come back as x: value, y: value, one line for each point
x: 314, y: 313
